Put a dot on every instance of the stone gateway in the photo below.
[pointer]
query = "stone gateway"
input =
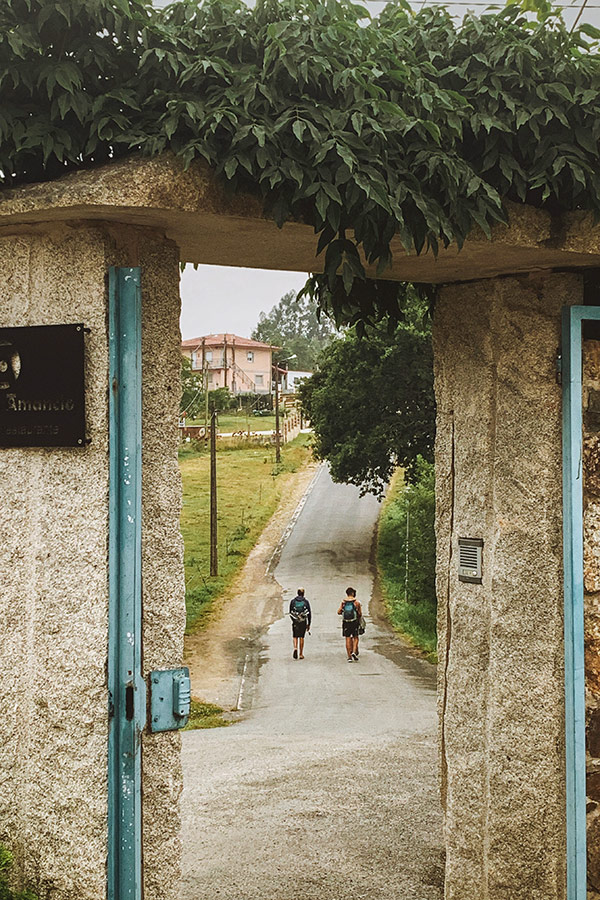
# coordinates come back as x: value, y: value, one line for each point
x: 510, y: 792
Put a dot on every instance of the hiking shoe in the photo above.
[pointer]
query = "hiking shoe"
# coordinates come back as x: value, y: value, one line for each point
x: 355, y: 657
x: 295, y: 654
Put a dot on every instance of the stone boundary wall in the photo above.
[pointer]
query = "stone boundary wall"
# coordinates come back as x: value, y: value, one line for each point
x: 501, y: 648
x: 54, y: 575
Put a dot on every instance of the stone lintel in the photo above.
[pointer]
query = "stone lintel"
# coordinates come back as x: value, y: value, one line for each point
x: 211, y: 225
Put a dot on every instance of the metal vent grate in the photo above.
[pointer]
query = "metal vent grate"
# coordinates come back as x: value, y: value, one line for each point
x: 469, y: 560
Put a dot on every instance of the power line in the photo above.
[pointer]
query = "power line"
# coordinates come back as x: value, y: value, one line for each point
x: 465, y: 3
x: 583, y: 5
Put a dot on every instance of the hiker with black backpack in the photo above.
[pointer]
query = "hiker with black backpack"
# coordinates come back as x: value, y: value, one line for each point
x: 351, y: 612
x: 300, y: 615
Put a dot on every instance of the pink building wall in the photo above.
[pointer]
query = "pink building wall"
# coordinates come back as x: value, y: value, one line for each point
x: 244, y: 368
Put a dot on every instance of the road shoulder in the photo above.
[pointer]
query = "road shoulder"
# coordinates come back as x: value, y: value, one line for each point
x: 223, y: 658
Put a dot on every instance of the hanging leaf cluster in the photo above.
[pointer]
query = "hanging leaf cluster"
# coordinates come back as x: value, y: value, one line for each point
x: 408, y: 124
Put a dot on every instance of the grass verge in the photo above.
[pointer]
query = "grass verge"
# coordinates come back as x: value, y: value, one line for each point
x: 415, y: 617
x: 6, y: 893
x: 230, y: 421
x: 205, y: 715
x: 249, y: 487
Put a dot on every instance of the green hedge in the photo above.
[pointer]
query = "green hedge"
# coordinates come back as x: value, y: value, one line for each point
x: 6, y: 892
x: 408, y: 579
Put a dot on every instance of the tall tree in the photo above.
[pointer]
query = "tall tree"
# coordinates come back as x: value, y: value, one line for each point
x: 371, y: 404
x: 293, y: 325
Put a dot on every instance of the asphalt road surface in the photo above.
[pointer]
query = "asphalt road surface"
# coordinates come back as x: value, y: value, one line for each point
x: 327, y: 788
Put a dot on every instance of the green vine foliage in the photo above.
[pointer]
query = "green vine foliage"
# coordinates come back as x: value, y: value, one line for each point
x: 408, y: 124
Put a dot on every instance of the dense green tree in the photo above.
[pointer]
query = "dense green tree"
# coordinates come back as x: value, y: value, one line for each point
x: 411, y: 124
x: 371, y: 403
x: 295, y: 326
x: 222, y: 399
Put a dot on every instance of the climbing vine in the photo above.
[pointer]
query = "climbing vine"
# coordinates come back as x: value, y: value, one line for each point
x: 407, y: 124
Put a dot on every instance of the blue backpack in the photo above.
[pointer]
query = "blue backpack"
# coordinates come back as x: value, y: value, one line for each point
x: 349, y: 613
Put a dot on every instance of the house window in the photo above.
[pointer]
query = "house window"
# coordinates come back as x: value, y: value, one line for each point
x: 208, y: 356
x: 210, y: 377
x: 194, y: 360
x: 259, y: 380
x: 250, y: 356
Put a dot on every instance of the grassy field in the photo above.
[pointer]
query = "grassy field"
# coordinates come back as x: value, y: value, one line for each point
x: 250, y: 486
x: 230, y: 421
x: 416, y: 619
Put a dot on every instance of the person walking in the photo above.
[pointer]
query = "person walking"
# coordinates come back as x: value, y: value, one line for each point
x: 301, y: 616
x: 351, y: 612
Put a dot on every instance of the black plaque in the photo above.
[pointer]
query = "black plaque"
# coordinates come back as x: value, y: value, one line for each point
x: 42, y: 393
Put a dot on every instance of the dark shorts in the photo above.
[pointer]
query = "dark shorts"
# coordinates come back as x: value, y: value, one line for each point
x: 298, y: 628
x: 350, y: 629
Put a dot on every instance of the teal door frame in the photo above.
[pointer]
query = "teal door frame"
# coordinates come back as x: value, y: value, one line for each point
x: 572, y: 321
x: 126, y: 688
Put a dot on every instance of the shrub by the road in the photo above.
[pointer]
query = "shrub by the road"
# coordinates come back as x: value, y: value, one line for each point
x: 6, y: 892
x: 406, y: 554
x: 205, y: 715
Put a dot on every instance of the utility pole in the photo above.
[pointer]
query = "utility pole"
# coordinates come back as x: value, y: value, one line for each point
x: 233, y: 368
x: 205, y: 374
x: 406, y: 554
x: 205, y: 383
x: 277, y: 440
x: 214, y: 562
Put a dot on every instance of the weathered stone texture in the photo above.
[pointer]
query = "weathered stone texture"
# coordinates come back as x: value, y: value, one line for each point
x: 162, y: 548
x: 591, y: 580
x: 501, y: 678
x: 210, y: 224
x: 53, y: 586
x: 54, y: 577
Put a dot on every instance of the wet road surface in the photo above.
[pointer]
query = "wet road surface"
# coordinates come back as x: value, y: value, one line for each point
x: 328, y: 786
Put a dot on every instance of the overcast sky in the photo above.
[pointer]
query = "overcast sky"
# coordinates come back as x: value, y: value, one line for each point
x: 217, y: 299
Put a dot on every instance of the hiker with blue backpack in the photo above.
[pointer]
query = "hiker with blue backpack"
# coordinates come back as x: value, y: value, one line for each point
x: 351, y: 612
x: 300, y: 615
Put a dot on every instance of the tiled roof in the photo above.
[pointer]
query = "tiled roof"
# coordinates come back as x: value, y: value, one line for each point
x: 218, y: 340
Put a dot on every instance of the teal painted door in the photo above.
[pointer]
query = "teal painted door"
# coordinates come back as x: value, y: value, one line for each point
x: 127, y: 701
x: 573, y: 318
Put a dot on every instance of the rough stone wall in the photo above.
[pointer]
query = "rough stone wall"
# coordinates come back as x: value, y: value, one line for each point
x: 54, y: 589
x: 501, y: 675
x: 591, y: 581
x: 54, y: 577
x: 162, y: 555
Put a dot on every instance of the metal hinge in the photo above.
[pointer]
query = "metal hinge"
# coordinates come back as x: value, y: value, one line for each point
x: 170, y: 699
x: 559, y: 364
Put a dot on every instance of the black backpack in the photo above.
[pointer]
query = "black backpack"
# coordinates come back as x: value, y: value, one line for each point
x: 299, y: 611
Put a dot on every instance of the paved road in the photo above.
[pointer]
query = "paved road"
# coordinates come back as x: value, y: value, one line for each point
x: 328, y: 787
